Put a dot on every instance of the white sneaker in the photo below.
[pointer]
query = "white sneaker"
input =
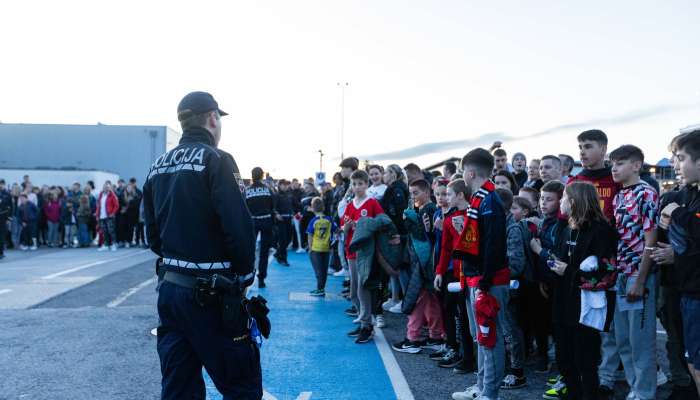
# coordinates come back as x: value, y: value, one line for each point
x: 356, y: 320
x: 661, y: 378
x: 127, y: 245
x: 631, y: 396
x: 470, y: 393
x: 102, y: 248
x: 379, y: 321
x: 301, y: 250
x: 23, y: 248
x: 340, y: 273
x: 331, y: 271
x: 396, y: 309
x: 388, y: 304
x: 114, y: 247
x: 33, y: 248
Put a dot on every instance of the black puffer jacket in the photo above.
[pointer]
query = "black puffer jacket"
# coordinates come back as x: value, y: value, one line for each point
x: 394, y: 202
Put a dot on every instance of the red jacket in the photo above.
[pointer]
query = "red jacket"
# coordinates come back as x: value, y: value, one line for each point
x: 450, y: 238
x: 112, y: 205
x: 52, y: 211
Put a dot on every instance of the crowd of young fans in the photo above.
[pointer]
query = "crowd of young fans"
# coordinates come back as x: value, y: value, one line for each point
x: 494, y: 261
x: 499, y: 263
x: 79, y: 216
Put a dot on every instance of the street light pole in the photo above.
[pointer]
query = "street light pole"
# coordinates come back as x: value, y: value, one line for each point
x: 320, y: 153
x: 342, y: 87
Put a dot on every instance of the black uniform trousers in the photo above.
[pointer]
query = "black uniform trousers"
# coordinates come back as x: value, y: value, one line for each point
x: 189, y: 337
x: 263, y: 226
x: 285, y: 231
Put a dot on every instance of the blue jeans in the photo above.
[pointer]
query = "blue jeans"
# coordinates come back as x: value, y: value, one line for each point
x: 83, y: 235
x: 491, y: 362
x: 636, y: 341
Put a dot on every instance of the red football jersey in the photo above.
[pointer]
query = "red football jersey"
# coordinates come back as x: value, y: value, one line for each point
x: 370, y: 207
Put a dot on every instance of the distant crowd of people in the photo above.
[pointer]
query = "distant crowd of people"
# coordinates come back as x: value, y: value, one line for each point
x: 78, y: 216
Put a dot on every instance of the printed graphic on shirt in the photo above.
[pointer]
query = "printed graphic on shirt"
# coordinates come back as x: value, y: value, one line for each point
x: 635, y: 213
x: 321, y: 229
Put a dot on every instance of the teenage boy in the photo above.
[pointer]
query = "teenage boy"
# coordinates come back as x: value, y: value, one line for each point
x: 361, y: 206
x: 519, y: 163
x: 550, y: 168
x: 669, y: 297
x: 482, y: 249
x: 593, y: 145
x: 448, y: 270
x: 683, y: 218
x: 635, y: 208
x: 518, y: 264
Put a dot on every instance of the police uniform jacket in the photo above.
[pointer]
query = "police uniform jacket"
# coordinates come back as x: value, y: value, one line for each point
x: 194, y: 208
x: 260, y: 200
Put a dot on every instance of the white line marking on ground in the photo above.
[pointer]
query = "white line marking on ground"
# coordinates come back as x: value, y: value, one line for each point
x: 3, y: 291
x: 92, y: 264
x: 398, y: 381
x: 128, y: 293
x: 304, y: 396
x: 268, y: 396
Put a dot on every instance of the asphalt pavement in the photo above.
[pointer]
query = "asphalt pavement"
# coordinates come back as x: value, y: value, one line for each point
x: 76, y: 324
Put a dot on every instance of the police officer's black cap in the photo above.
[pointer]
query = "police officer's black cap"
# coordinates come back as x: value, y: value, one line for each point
x: 197, y: 103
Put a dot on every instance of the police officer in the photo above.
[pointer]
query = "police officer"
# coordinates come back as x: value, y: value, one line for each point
x: 261, y: 204
x: 198, y: 223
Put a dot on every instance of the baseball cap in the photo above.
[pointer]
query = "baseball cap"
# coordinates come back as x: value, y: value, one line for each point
x: 197, y: 103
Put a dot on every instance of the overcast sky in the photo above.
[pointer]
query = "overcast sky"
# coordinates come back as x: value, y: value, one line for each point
x: 426, y: 79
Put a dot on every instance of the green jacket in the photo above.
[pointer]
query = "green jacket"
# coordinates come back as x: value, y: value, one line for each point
x: 372, y: 234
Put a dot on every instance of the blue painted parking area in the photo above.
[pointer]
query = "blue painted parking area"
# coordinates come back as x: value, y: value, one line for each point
x: 309, y: 355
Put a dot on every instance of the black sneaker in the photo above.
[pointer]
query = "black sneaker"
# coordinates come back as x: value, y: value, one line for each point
x: 317, y: 293
x: 605, y: 392
x: 407, y: 346
x: 684, y: 393
x: 542, y: 365
x: 513, y: 382
x: 450, y: 360
x: 346, y: 284
x: 438, y: 355
x: 261, y: 283
x: 365, y: 335
x: 351, y: 312
x: 433, y: 344
x: 465, y: 367
x: 355, y: 332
